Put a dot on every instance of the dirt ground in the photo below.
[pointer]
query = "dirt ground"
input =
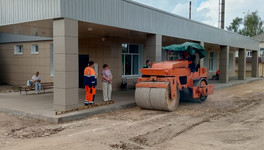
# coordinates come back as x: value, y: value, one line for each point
x: 232, y: 118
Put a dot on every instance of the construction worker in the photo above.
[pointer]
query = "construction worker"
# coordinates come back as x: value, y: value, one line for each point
x: 148, y: 64
x: 216, y: 76
x: 90, y: 83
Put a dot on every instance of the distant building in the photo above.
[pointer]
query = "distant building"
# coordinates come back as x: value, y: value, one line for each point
x: 260, y: 38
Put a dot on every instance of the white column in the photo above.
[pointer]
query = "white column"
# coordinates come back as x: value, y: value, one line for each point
x: 153, y: 48
x: 65, y: 38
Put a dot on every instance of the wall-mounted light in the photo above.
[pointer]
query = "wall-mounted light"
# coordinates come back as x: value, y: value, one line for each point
x: 90, y: 29
x: 105, y: 38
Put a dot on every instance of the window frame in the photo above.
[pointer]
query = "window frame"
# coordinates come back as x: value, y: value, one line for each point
x: 16, y: 49
x: 33, y: 49
x: 132, y: 61
x: 261, y: 52
x: 249, y: 53
x: 211, y: 64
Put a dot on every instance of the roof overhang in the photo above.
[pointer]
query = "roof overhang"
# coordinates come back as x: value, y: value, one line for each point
x: 124, y: 14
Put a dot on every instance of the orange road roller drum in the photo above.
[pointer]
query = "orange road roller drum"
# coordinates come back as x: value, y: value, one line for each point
x: 156, y: 98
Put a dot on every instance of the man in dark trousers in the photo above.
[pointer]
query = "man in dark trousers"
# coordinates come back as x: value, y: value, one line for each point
x: 90, y: 83
x: 216, y: 76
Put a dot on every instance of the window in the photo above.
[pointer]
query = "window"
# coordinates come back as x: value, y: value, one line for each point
x: 18, y: 49
x: 130, y: 59
x: 51, y: 60
x: 211, y: 61
x: 170, y: 55
x: 249, y: 54
x: 261, y: 52
x: 34, y: 49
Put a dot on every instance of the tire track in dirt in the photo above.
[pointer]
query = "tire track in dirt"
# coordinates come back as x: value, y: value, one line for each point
x: 171, y: 131
x: 33, y: 132
x: 163, y: 134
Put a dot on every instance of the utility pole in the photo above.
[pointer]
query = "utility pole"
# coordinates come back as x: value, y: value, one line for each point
x: 190, y: 10
x: 221, y: 15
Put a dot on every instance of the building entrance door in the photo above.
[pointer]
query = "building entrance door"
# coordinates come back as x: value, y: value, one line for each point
x: 83, y: 62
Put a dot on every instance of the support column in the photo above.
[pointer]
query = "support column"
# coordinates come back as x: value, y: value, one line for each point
x: 242, y: 64
x: 254, y: 68
x: 153, y: 48
x: 202, y: 60
x: 65, y: 38
x: 224, y: 62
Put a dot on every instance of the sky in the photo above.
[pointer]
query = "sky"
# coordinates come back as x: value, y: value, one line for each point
x: 206, y: 11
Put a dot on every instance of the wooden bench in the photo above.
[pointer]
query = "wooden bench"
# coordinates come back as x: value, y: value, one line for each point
x: 44, y: 86
x: 26, y: 88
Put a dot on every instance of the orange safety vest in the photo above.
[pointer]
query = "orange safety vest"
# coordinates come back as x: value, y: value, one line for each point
x: 90, y: 77
x: 88, y: 71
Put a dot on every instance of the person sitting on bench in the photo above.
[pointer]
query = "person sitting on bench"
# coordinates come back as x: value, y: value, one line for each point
x: 216, y: 76
x: 36, y: 81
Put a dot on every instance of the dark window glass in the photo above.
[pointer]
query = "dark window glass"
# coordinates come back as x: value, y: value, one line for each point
x: 128, y: 64
x: 37, y: 50
x: 135, y: 64
x: 133, y: 48
x: 123, y: 64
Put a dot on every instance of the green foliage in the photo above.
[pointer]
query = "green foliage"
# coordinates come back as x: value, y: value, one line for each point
x: 234, y: 26
x: 249, y: 26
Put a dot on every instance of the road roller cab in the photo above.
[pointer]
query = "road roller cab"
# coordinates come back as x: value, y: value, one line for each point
x: 163, y: 85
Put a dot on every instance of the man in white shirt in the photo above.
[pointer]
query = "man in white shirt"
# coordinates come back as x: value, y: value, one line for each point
x: 36, y: 81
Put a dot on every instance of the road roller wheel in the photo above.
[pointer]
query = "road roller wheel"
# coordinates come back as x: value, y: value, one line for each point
x: 156, y: 98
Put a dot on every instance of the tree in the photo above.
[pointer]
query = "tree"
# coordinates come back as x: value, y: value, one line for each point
x: 252, y: 24
x: 249, y: 26
x: 235, y: 25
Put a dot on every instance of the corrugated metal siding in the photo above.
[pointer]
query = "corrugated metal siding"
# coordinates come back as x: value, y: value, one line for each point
x: 130, y: 15
x: 17, y: 11
x: 120, y: 13
x: 12, y: 38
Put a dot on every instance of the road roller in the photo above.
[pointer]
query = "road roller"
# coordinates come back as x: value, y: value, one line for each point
x: 162, y: 86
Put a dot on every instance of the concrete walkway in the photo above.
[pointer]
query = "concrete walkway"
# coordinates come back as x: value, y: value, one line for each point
x: 232, y: 81
x: 40, y: 106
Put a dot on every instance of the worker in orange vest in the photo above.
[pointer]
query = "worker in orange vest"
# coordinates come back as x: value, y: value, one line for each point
x: 90, y: 83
